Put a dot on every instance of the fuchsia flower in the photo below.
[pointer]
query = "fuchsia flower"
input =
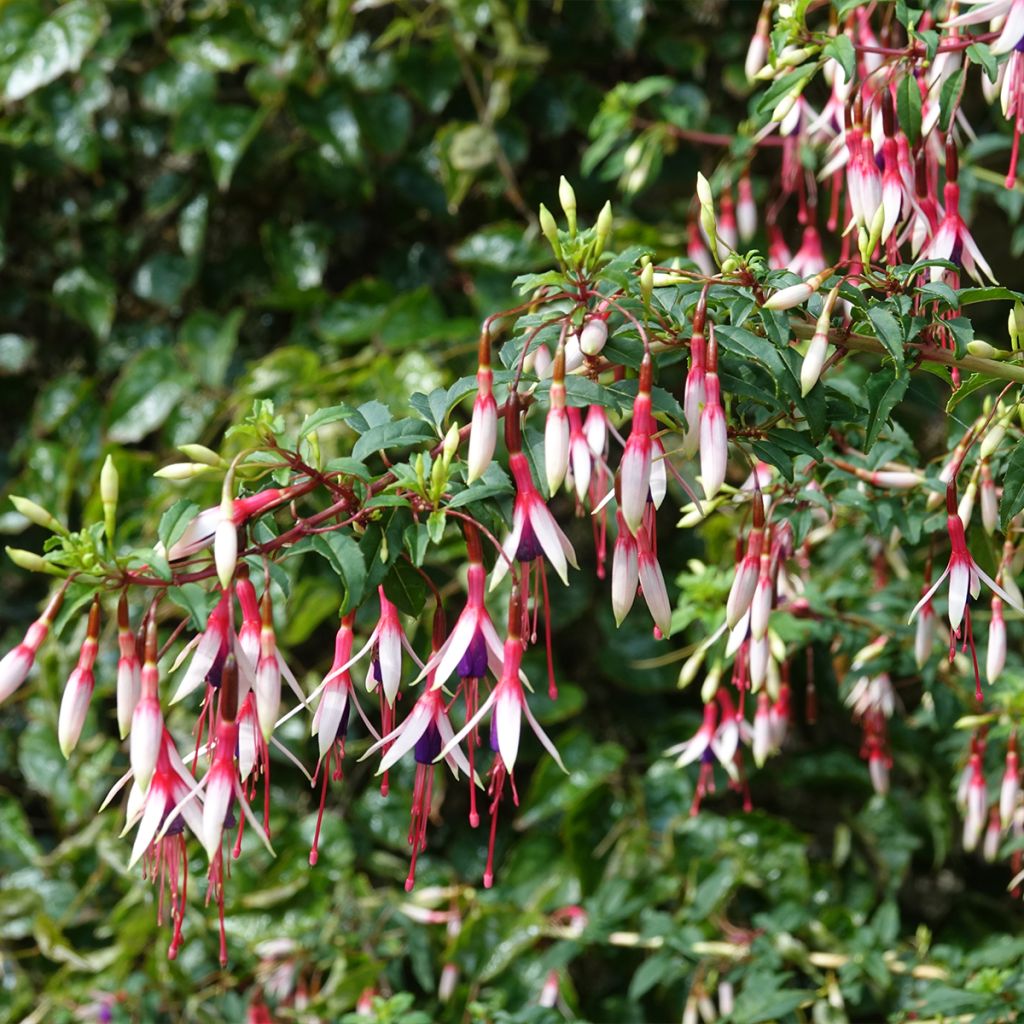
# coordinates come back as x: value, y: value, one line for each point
x: 652, y: 583
x: 268, y: 672
x: 953, y: 241
x: 556, y: 428
x: 74, y: 704
x: 995, y: 656
x: 200, y: 532
x: 473, y: 646
x: 16, y: 664
x: 425, y: 730
x: 1009, y: 789
x: 625, y: 570
x: 1012, y: 30
x: 534, y: 530
x: 746, y: 208
x: 965, y: 576
x: 211, y: 648
x: 581, y: 457
x: 509, y: 705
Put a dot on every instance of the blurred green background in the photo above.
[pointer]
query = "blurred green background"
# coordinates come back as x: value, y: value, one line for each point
x: 205, y: 203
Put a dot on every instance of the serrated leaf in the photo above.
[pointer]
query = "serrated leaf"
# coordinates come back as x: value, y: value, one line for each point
x: 908, y: 108
x: 888, y: 331
x: 884, y: 394
x: 391, y: 435
x: 346, y: 558
x: 974, y: 383
x: 322, y: 417
x: 841, y: 50
x: 174, y: 522
x: 1012, y: 500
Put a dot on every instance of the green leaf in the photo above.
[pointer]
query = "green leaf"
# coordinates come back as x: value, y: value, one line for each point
x: 227, y: 132
x: 196, y: 600
x: 346, y: 559
x: 981, y: 53
x: 948, y: 97
x: 322, y: 417
x: 391, y: 435
x: 58, y: 46
x: 406, y: 588
x: 884, y: 393
x: 148, y: 390
x: 164, y: 278
x: 908, y: 108
x: 841, y: 49
x: 174, y: 521
x: 87, y: 298
x: 209, y: 341
x: 888, y: 331
x: 1012, y: 500
x: 974, y: 383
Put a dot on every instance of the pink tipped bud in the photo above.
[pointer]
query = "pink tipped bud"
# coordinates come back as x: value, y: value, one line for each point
x: 759, y: 653
x: 593, y: 336
x: 744, y: 583
x: 268, y: 673
x: 225, y: 550
x: 549, y: 992
x: 147, y: 720
x: 16, y: 664
x: 764, y: 596
x: 625, y: 571
x: 446, y: 986
x: 652, y: 584
x: 1009, y: 790
x: 762, y: 742
x: 556, y: 441
x: 74, y: 704
x: 989, y: 500
x: 635, y: 469
x: 793, y: 295
x: 814, y: 360
x: 129, y: 672
x: 714, y: 438
x: 757, y: 51
x: 976, y: 810
x: 924, y: 638
x: 878, y: 769
x: 993, y: 833
x: 995, y: 656
x: 746, y: 209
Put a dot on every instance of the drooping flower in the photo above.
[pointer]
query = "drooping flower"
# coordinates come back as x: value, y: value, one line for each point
x: 635, y: 469
x: 147, y: 719
x: 129, y: 671
x: 74, y: 704
x: 483, y: 431
x: 16, y: 664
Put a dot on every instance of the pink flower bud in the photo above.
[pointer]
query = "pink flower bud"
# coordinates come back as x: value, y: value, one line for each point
x: 268, y: 673
x: 995, y: 656
x: 993, y: 833
x: 635, y: 469
x: 790, y: 296
x: 762, y: 742
x: 625, y: 571
x: 744, y: 583
x: 74, y: 703
x: 652, y: 583
x: 129, y: 672
x: 714, y: 439
x: 556, y: 446
x: 977, y: 805
x: 814, y: 360
x: 746, y: 209
x: 16, y: 663
x: 1009, y: 790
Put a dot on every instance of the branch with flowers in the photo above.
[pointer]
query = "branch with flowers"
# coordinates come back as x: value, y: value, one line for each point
x: 766, y: 392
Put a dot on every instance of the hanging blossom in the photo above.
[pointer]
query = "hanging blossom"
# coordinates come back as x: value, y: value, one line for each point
x: 508, y: 702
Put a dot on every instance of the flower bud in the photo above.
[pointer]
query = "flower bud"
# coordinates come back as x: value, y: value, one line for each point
x: 200, y: 453
x: 37, y: 514
x: 603, y: 229
x: 593, y: 336
x: 549, y: 229
x: 983, y: 350
x: 647, y: 283
x: 31, y: 562
x: 1016, y: 324
x: 180, y: 471
x: 108, y: 495
x: 567, y: 197
x: 225, y: 543
x: 451, y: 443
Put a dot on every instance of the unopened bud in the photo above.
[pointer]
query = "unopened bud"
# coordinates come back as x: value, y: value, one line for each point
x: 108, y: 496
x: 200, y: 453
x: 182, y: 471
x: 225, y: 543
x: 37, y: 514
x: 603, y: 228
x: 983, y: 350
x: 647, y: 283
x: 550, y: 231
x: 1016, y: 324
x: 451, y: 443
x: 567, y: 197
x: 31, y: 562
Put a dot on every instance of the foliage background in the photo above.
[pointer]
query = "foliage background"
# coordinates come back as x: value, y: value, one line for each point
x: 203, y: 203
